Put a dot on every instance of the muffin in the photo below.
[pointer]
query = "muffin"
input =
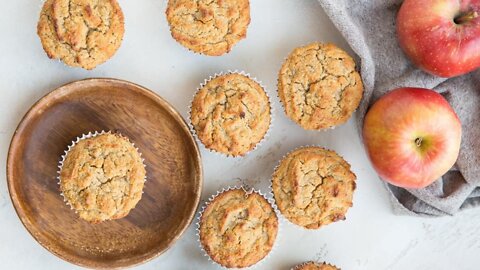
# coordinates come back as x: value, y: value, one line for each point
x: 81, y: 33
x: 208, y: 27
x: 315, y: 266
x: 238, y: 228
x: 313, y: 187
x: 319, y: 86
x: 230, y: 114
x: 102, y: 177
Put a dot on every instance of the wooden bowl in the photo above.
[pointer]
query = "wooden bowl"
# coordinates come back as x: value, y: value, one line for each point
x: 174, y: 174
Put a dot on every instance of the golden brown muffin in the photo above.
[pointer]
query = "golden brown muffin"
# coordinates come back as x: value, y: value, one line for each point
x: 313, y: 187
x: 231, y: 114
x: 238, y: 228
x: 315, y: 266
x: 210, y: 27
x: 319, y: 87
x: 81, y: 33
x: 102, y: 177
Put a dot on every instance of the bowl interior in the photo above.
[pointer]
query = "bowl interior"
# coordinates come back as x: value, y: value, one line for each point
x: 171, y: 193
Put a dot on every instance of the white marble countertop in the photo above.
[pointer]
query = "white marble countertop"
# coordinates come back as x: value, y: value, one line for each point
x: 371, y: 237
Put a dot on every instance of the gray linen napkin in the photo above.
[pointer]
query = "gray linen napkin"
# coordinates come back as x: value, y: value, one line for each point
x: 369, y: 28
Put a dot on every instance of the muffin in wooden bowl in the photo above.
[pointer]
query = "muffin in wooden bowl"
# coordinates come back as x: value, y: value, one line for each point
x: 102, y: 177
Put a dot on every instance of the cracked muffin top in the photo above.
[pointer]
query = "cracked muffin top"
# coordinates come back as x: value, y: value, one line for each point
x: 238, y: 228
x: 315, y: 266
x: 231, y: 114
x: 313, y: 187
x: 102, y: 177
x: 210, y: 27
x: 81, y: 33
x: 319, y: 86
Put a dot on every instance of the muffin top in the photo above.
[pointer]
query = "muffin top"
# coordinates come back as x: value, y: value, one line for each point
x: 315, y: 266
x: 210, y: 27
x: 313, y: 187
x: 231, y: 114
x: 81, y: 33
x: 238, y: 228
x: 319, y: 87
x: 102, y: 177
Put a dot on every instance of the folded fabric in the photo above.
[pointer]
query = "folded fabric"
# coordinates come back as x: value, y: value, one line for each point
x: 369, y: 28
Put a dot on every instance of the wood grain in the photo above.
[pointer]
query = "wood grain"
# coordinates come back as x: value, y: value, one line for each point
x: 174, y: 174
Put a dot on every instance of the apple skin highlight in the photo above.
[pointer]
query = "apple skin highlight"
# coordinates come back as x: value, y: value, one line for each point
x: 412, y: 137
x: 441, y: 36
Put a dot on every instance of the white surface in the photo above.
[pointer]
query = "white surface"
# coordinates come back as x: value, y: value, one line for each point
x: 371, y: 237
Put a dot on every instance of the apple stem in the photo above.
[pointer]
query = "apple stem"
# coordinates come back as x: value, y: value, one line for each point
x: 418, y: 141
x: 465, y: 17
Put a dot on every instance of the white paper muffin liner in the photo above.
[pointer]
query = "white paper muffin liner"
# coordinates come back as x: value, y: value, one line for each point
x: 270, y: 186
x: 248, y: 191
x: 283, y: 105
x: 272, y: 113
x: 297, y: 267
x: 75, y: 142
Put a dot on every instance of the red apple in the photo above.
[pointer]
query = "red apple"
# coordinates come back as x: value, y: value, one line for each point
x: 441, y: 36
x: 412, y: 136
